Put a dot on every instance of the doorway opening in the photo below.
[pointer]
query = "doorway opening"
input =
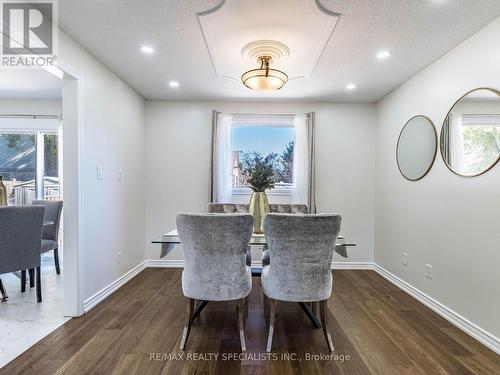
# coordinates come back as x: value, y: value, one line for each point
x: 33, y: 104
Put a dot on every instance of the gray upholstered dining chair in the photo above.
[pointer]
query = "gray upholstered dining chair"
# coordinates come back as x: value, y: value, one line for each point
x: 50, y: 237
x: 231, y: 208
x: 227, y: 208
x: 301, y: 250
x: 282, y: 209
x: 215, y: 248
x: 288, y: 208
x: 20, y: 236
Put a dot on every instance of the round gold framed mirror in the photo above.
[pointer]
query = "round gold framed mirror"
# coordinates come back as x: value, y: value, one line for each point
x: 470, y: 135
x: 417, y: 148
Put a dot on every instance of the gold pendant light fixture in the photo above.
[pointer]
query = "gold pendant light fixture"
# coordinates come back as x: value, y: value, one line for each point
x: 265, y: 78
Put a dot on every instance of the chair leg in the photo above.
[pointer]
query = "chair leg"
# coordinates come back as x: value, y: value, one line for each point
x: 23, y: 281
x: 265, y: 304
x: 240, y: 309
x: 272, y: 323
x: 3, y: 292
x: 245, y: 302
x: 187, y: 325
x: 323, y: 311
x: 199, y: 308
x: 31, y: 272
x: 38, y: 285
x: 56, y: 260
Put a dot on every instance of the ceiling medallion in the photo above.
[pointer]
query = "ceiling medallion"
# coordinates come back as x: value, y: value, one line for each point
x: 265, y: 52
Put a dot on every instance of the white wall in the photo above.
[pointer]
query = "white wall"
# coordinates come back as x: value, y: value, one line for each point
x: 178, y: 157
x: 112, y: 136
x: 445, y: 220
x: 30, y: 106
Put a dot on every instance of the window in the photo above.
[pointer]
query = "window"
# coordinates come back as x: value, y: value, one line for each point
x: 287, y: 139
x: 277, y: 142
x: 481, y: 141
x: 262, y: 136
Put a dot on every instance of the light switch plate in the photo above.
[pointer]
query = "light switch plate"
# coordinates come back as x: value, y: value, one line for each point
x: 99, y: 172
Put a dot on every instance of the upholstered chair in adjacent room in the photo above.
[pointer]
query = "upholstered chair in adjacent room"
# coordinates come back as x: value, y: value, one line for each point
x: 20, y: 236
x: 50, y: 238
x: 300, y: 270
x: 231, y: 208
x: 215, y: 247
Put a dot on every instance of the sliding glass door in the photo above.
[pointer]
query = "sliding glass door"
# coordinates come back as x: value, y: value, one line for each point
x: 52, y: 181
x: 30, y: 166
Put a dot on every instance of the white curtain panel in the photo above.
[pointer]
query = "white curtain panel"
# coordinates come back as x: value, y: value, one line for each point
x: 303, y: 163
x: 221, y: 158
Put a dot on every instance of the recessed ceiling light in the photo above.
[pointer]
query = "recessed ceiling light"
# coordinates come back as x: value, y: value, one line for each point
x: 173, y: 84
x: 382, y: 55
x: 148, y: 50
x: 350, y: 86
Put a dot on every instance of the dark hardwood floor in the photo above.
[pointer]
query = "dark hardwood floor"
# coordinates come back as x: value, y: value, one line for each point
x: 376, y: 329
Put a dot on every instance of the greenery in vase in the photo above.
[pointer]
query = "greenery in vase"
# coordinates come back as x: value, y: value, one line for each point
x: 259, y: 171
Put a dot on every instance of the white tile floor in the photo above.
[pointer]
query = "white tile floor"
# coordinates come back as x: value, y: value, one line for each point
x: 23, y: 321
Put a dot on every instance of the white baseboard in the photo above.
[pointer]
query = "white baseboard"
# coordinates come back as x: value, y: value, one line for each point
x: 164, y: 263
x: 111, y: 288
x: 352, y: 265
x: 454, y: 318
x: 256, y: 264
x: 335, y: 265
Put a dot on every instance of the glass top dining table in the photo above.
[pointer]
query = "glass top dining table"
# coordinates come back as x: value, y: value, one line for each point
x: 169, y: 240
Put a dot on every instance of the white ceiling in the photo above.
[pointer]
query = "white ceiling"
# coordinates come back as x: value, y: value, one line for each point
x: 29, y: 83
x: 417, y: 32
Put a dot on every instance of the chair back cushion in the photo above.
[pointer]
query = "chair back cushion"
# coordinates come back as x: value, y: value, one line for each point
x: 20, y: 237
x: 301, y: 250
x: 227, y: 208
x: 215, y: 247
x: 288, y: 208
x: 53, y: 212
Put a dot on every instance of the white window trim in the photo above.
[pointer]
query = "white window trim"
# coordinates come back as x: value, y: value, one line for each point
x: 480, y: 120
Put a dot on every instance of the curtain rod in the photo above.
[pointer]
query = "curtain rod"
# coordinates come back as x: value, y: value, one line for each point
x: 34, y: 117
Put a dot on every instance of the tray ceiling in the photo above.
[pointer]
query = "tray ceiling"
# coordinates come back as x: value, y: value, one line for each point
x: 303, y: 26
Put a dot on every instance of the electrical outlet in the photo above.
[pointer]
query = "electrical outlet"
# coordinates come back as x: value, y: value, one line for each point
x: 405, y: 259
x: 119, y: 253
x: 119, y: 175
x: 428, y: 271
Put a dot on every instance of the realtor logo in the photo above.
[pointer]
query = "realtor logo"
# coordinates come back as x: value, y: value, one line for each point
x: 28, y: 33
